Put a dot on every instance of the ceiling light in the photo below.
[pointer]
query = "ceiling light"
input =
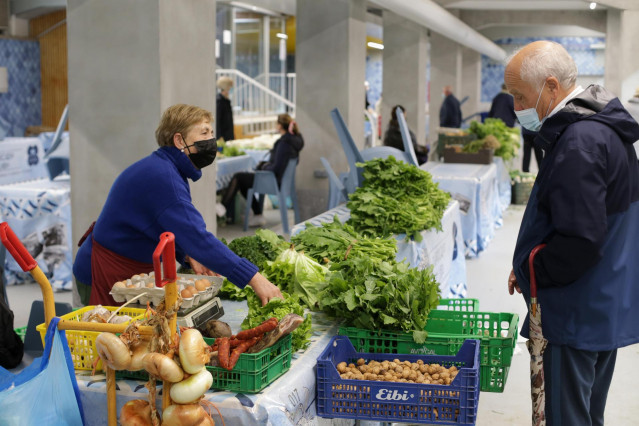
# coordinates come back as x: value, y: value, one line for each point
x: 375, y: 45
x: 593, y: 5
x: 281, y: 35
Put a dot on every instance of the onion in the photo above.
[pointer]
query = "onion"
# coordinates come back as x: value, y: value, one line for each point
x: 136, y: 413
x: 138, y: 352
x: 193, y: 351
x: 181, y: 415
x: 163, y: 367
x: 113, y: 352
x: 193, y: 388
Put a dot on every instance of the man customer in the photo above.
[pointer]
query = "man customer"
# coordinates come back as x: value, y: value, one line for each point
x: 502, y: 107
x: 585, y: 207
x: 450, y: 114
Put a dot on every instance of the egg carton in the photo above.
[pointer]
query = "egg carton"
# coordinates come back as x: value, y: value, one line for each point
x: 143, y: 285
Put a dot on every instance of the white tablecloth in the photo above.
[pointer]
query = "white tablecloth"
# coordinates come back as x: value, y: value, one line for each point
x: 228, y: 166
x: 475, y: 187
x: 443, y: 250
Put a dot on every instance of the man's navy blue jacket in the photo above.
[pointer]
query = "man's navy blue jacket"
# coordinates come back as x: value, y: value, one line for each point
x: 503, y: 107
x: 450, y: 114
x: 585, y: 207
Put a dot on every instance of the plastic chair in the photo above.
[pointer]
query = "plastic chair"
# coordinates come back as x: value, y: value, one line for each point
x: 409, y: 149
x: 266, y: 183
x: 336, y: 190
x: 350, y: 149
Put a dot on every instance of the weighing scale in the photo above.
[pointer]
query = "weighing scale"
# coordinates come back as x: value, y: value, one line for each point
x: 199, y: 315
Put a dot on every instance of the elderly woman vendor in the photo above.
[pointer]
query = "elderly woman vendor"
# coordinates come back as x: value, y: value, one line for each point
x: 150, y: 197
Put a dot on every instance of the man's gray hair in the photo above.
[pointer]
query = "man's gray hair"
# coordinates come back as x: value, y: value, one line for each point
x: 548, y: 60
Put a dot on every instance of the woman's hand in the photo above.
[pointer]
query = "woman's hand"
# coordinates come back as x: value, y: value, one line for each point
x: 264, y: 289
x: 512, y: 283
x: 198, y: 268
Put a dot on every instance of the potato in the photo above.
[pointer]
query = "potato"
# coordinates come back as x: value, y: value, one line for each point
x: 423, y: 369
x: 341, y: 367
x: 361, y: 362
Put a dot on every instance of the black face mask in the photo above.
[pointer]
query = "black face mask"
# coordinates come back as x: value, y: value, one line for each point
x: 206, y: 152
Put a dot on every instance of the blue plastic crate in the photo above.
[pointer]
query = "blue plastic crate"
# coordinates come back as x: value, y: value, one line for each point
x: 454, y: 404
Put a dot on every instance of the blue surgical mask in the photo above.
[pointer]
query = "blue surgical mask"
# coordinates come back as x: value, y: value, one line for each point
x: 529, y: 118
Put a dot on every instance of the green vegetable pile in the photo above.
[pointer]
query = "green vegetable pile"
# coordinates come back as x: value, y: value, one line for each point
x: 489, y: 142
x: 230, y: 291
x: 337, y: 241
x: 396, y: 198
x: 508, y: 138
x: 265, y: 245
x: 232, y: 151
x: 517, y: 176
x: 373, y: 294
x: 279, y: 308
x: 298, y: 274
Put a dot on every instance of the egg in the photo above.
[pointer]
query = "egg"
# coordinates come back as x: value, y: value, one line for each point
x: 193, y: 290
x: 150, y: 285
x: 130, y: 286
x: 135, y: 277
x: 200, y: 285
x: 185, y: 294
x: 119, y: 284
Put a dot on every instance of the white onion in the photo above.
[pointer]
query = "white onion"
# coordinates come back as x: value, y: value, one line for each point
x: 191, y: 389
x: 113, y: 352
x: 163, y: 367
x: 136, y: 413
x: 181, y: 415
x: 193, y: 351
x: 138, y: 352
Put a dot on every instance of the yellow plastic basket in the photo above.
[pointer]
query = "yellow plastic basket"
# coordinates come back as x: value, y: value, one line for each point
x: 82, y: 343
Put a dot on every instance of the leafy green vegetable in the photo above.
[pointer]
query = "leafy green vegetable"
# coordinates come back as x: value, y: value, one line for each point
x: 279, y: 308
x: 277, y: 242
x: 231, y: 151
x: 230, y: 291
x: 336, y: 241
x: 508, y: 137
x: 373, y: 294
x: 255, y: 249
x: 298, y: 274
x: 396, y: 198
x: 489, y: 142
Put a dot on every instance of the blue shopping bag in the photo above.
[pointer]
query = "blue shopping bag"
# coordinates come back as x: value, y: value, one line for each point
x: 46, y: 392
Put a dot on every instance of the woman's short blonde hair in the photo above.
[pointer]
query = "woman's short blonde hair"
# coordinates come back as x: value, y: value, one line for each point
x: 179, y: 119
x: 225, y: 83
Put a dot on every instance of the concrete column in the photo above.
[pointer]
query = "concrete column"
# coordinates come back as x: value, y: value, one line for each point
x: 470, y: 82
x: 404, y: 78
x: 445, y: 69
x: 331, y: 69
x: 622, y: 63
x: 128, y: 62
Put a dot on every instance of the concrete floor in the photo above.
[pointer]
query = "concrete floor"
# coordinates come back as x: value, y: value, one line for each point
x: 487, y: 277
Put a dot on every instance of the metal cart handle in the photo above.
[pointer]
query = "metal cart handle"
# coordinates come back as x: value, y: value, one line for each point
x: 166, y: 249
x: 533, y: 279
x: 16, y: 248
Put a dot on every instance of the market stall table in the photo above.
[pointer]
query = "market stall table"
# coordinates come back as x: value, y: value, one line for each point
x: 474, y: 186
x: 228, y: 166
x: 288, y: 400
x: 442, y: 249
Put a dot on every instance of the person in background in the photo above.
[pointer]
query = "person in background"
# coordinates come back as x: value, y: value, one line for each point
x: 223, y: 111
x: 393, y: 136
x: 633, y: 108
x: 529, y: 145
x: 450, y: 114
x: 150, y: 197
x: 502, y: 107
x: 585, y: 207
x: 287, y: 147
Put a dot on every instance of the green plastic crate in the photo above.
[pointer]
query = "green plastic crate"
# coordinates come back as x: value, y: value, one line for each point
x: 464, y: 305
x: 254, y: 372
x: 447, y: 331
x: 21, y: 331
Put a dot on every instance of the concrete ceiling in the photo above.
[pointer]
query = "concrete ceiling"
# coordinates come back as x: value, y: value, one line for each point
x: 522, y: 4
